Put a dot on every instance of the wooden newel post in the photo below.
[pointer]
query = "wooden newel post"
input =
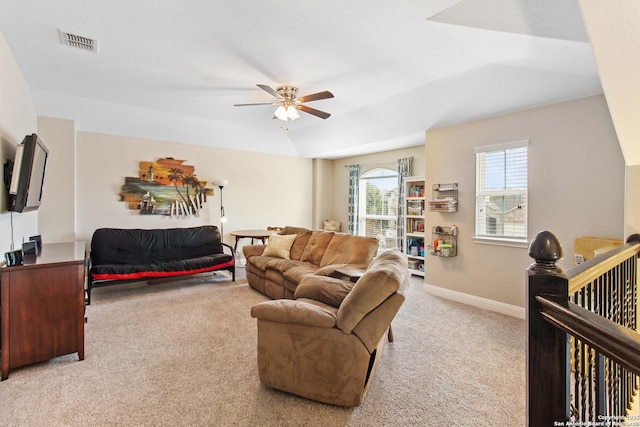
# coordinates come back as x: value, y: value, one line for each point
x: 547, y: 360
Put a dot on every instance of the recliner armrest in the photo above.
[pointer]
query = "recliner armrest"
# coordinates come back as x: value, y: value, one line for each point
x: 253, y: 250
x: 299, y: 312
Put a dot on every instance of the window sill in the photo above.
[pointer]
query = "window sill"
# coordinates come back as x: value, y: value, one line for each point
x: 512, y: 243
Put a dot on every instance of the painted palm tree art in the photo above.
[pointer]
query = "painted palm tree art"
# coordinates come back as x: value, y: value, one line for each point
x: 189, y: 180
x: 174, y: 188
x: 176, y: 175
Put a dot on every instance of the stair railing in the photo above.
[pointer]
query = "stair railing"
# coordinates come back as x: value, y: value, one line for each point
x: 583, y: 351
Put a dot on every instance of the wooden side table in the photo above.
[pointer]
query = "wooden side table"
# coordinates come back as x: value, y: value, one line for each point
x: 262, y: 235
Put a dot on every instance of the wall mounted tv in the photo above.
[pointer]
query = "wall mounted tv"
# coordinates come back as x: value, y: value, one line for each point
x: 27, y: 178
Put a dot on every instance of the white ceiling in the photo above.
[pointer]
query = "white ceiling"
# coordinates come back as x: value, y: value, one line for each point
x: 172, y: 70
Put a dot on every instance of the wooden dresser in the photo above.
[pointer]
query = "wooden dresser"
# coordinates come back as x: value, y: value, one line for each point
x: 42, y: 306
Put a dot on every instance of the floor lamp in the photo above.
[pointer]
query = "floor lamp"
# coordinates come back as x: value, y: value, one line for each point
x: 223, y: 218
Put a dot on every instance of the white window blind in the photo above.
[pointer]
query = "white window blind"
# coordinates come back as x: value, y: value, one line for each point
x: 501, y: 191
x: 379, y: 207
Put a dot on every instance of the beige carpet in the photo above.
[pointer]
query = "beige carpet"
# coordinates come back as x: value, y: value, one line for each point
x: 184, y: 354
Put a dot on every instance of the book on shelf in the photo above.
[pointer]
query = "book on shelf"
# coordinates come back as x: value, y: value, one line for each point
x: 415, y: 225
x: 414, y: 208
x: 447, y: 204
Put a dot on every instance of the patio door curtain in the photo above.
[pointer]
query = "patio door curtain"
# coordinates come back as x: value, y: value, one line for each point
x: 354, y: 184
x: 405, y: 166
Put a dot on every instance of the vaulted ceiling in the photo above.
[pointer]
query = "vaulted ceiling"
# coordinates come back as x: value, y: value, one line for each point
x: 172, y: 70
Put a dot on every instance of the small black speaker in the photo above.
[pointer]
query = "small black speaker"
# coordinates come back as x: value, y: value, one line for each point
x: 30, y: 248
x: 13, y: 258
x: 38, y: 240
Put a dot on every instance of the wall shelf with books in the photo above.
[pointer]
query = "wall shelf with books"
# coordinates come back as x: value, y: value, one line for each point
x: 444, y: 198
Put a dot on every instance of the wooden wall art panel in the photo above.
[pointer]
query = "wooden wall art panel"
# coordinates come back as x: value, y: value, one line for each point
x: 165, y: 187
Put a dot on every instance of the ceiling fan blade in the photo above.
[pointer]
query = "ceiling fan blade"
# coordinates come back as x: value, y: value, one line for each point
x: 316, y: 96
x: 314, y: 112
x: 271, y: 91
x: 258, y: 103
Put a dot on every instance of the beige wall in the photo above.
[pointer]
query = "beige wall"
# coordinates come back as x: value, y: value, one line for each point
x: 323, y: 192
x: 612, y: 46
x: 17, y: 119
x: 57, y: 214
x: 632, y: 201
x: 576, y: 188
x: 263, y: 189
x: 385, y: 159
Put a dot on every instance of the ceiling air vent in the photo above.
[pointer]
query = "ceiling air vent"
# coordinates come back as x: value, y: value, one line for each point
x: 80, y: 42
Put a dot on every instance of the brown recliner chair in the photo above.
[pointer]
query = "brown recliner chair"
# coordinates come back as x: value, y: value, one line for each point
x: 325, y: 344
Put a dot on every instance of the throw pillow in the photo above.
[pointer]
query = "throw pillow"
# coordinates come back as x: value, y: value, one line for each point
x: 331, y: 225
x: 279, y: 245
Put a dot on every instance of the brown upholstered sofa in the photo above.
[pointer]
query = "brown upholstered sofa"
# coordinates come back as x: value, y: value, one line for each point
x: 325, y: 344
x: 276, y: 269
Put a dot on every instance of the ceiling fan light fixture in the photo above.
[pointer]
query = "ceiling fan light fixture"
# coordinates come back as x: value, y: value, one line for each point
x: 290, y: 105
x: 292, y: 113
x: 281, y: 113
x: 287, y: 112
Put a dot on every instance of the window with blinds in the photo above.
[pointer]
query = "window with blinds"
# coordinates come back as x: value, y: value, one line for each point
x: 378, y: 206
x: 501, y: 191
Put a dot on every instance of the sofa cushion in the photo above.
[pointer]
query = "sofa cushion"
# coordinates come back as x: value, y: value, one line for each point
x: 295, y: 274
x: 161, y: 269
x: 316, y: 246
x: 274, y: 276
x: 293, y: 230
x: 330, y: 269
x: 283, y: 265
x: 142, y: 246
x: 382, y: 278
x: 274, y: 289
x: 328, y: 290
x: 348, y: 249
x: 299, y: 244
x: 279, y: 245
x: 260, y: 262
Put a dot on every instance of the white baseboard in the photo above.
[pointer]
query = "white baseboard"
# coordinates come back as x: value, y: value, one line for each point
x: 484, y: 303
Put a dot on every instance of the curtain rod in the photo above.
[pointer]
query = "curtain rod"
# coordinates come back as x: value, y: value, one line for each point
x: 371, y: 163
x: 377, y: 163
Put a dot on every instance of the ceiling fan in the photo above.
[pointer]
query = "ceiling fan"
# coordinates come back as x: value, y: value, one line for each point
x: 289, y: 102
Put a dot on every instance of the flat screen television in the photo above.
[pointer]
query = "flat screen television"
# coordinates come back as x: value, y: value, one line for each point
x: 27, y: 178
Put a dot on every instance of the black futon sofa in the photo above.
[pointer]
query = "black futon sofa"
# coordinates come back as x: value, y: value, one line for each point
x: 119, y: 255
